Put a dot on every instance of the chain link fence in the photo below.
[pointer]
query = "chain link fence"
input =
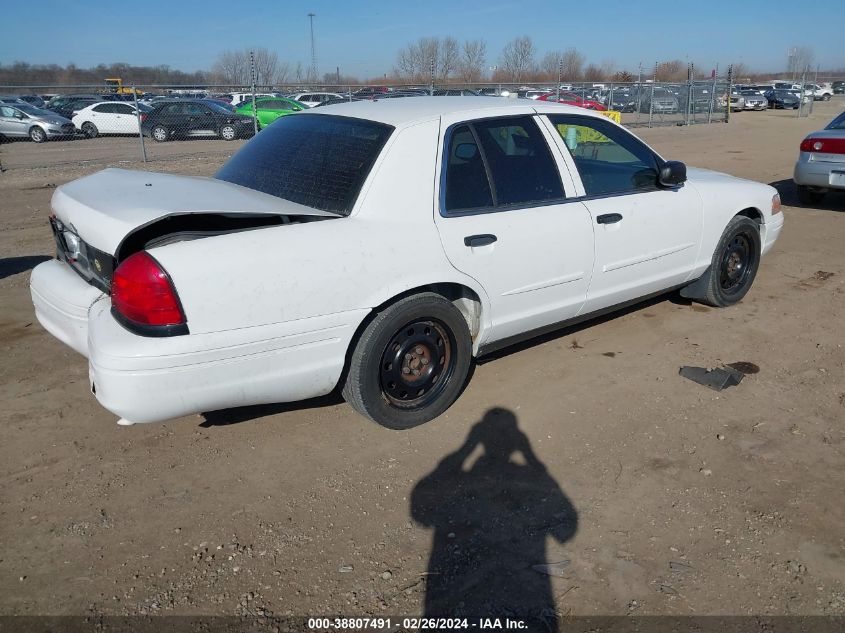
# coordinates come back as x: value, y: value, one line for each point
x: 128, y: 124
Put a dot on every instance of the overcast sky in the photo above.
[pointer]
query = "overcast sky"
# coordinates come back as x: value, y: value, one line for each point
x: 363, y: 37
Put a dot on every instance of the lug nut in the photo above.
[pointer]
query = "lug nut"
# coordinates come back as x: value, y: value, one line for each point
x: 406, y: 370
x: 419, y: 350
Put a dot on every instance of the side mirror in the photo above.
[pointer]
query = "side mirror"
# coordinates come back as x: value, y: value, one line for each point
x: 672, y: 174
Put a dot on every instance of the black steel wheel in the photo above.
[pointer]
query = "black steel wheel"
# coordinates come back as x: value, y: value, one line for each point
x: 410, y: 362
x: 735, y: 263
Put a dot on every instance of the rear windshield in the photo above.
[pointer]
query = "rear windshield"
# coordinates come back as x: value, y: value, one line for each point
x: 316, y: 160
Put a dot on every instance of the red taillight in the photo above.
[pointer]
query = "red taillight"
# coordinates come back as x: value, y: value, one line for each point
x: 141, y: 292
x: 143, y: 117
x: 825, y: 145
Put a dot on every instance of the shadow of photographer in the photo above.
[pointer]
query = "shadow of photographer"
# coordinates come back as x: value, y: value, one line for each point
x: 491, y: 520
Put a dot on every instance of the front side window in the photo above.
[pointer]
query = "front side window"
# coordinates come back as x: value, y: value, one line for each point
x: 609, y: 159
x: 499, y: 163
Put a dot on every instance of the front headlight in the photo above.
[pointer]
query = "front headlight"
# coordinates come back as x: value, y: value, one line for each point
x: 776, y: 204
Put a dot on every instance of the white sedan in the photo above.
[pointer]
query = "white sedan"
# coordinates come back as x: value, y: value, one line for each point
x: 108, y: 117
x: 379, y: 247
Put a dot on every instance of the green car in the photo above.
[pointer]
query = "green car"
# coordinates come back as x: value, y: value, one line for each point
x: 269, y: 109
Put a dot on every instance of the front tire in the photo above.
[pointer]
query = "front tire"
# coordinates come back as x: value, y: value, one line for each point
x: 735, y: 263
x: 37, y: 134
x: 410, y: 363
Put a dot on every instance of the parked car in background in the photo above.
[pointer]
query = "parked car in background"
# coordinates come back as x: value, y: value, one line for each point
x: 269, y: 109
x: 754, y: 100
x: 782, y: 99
x: 572, y: 99
x: 283, y: 277
x: 531, y: 93
x: 184, y: 118
x: 339, y: 100
x: 820, y: 93
x: 239, y: 98
x: 21, y: 120
x: 11, y: 99
x: 312, y: 99
x: 69, y: 108
x: 659, y: 101
x: 622, y: 99
x: 369, y: 91
x: 838, y: 87
x: 60, y: 100
x: 455, y: 92
x: 109, y: 117
x: 33, y: 100
x: 820, y: 168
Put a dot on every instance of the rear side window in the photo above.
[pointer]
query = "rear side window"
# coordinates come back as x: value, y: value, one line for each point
x: 315, y: 160
x: 467, y: 186
x: 499, y: 163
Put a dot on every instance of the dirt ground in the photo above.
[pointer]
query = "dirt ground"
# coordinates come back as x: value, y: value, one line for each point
x: 663, y: 496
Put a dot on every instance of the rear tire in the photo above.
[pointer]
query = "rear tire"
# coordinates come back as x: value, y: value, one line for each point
x: 825, y: 97
x: 37, y: 134
x: 808, y: 196
x: 90, y: 130
x: 410, y: 363
x: 735, y: 263
x: 228, y: 133
x: 160, y: 133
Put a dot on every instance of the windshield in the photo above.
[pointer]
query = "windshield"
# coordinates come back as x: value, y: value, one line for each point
x: 218, y: 107
x: 32, y: 110
x: 315, y: 160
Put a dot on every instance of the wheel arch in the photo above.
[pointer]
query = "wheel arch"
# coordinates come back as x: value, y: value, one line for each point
x: 467, y: 301
x: 753, y: 213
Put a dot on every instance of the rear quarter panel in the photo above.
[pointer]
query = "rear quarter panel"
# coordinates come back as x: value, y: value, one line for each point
x: 388, y: 245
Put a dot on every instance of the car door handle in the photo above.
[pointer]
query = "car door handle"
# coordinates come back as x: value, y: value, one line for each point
x: 479, y: 240
x: 609, y: 218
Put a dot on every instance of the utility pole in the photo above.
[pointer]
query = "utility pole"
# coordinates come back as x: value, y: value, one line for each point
x: 313, y: 72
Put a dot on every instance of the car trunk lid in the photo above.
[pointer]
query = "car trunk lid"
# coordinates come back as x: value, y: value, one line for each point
x: 106, y: 207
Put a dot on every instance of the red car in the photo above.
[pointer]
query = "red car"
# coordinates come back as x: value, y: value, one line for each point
x: 570, y: 98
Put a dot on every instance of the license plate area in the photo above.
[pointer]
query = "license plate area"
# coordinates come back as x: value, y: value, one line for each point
x: 837, y: 178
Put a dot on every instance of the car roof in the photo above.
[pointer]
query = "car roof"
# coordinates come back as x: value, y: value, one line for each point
x: 404, y: 112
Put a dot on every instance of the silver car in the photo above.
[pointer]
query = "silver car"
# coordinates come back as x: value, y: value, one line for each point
x: 754, y: 100
x: 820, y: 168
x: 20, y: 120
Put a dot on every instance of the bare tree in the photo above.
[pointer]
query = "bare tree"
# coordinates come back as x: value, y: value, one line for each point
x: 518, y: 57
x: 800, y: 59
x: 413, y: 63
x: 266, y: 67
x: 593, y: 73
x: 232, y: 67
x: 298, y: 72
x: 569, y: 61
x: 674, y: 70
x: 473, y: 58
